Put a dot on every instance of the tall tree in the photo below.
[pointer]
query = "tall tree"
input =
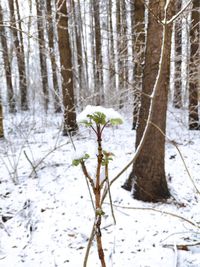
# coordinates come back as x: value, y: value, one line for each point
x: 194, y: 83
x: 50, y: 32
x: 7, y: 65
x: 42, y: 52
x: 111, y: 53
x: 19, y: 50
x: 148, y: 174
x: 138, y: 50
x: 177, y: 99
x: 98, y: 54
x: 66, y: 69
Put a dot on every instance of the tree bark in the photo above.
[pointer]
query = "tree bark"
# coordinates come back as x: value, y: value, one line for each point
x: 138, y: 48
x: 194, y: 83
x: 1, y: 120
x: 147, y: 178
x: 42, y: 52
x: 177, y: 99
x: 7, y: 66
x: 19, y: 49
x: 50, y: 32
x: 98, y: 55
x: 66, y: 69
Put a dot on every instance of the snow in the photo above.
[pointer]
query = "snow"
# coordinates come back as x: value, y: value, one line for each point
x: 47, y: 217
x: 89, y: 110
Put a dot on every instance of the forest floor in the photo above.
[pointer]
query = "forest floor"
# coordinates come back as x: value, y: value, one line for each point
x: 46, y: 213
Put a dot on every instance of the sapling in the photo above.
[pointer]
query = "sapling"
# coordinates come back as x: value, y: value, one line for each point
x: 97, y: 118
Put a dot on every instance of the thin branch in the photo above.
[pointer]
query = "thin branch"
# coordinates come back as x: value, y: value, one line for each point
x: 179, y: 13
x: 159, y: 211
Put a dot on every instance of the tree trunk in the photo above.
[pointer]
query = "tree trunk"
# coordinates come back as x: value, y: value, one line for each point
x: 98, y: 55
x: 194, y: 83
x: 177, y: 99
x: 111, y: 53
x: 123, y: 57
x: 138, y: 35
x: 7, y: 65
x: 148, y: 171
x: 19, y: 48
x: 66, y: 69
x: 42, y: 52
x: 1, y: 120
x: 50, y: 32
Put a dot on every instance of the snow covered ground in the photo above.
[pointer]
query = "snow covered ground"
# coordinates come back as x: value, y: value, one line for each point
x: 46, y: 218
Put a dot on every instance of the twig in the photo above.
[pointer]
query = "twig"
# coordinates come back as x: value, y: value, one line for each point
x: 182, y: 158
x: 89, y: 246
x: 33, y: 167
x: 159, y: 211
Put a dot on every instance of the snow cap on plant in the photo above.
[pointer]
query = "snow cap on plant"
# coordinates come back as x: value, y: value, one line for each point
x: 99, y: 115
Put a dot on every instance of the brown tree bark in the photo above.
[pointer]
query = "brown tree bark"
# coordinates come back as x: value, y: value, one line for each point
x: 148, y: 178
x: 42, y: 52
x: 194, y: 84
x: 98, y: 55
x: 138, y: 46
x: 19, y: 50
x: 50, y: 32
x: 7, y: 65
x: 177, y: 99
x: 66, y: 69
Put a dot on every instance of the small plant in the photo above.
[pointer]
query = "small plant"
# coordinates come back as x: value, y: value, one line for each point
x: 97, y: 118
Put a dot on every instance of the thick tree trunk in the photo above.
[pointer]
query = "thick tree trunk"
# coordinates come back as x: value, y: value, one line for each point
x: 7, y: 65
x: 42, y: 52
x: 194, y: 83
x: 177, y: 100
x: 138, y: 35
x: 148, y: 172
x: 66, y: 69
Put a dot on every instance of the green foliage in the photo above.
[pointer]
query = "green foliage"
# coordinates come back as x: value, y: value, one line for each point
x: 76, y: 162
x: 107, y: 157
x: 115, y: 122
x: 99, y: 118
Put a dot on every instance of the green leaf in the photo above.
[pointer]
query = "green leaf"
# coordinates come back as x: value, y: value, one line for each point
x: 86, y: 123
x: 115, y: 122
x: 98, y: 117
x: 76, y: 162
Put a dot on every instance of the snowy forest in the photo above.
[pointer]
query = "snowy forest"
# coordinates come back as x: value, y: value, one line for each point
x: 99, y: 133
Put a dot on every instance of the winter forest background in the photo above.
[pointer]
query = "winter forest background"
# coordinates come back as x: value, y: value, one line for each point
x: 98, y: 97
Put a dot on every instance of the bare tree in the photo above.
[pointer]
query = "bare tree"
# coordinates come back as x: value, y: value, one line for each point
x: 98, y: 54
x: 138, y: 46
x: 66, y: 69
x: 52, y: 53
x: 148, y: 175
x: 194, y: 84
x: 42, y: 52
x: 177, y: 99
x: 7, y: 65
